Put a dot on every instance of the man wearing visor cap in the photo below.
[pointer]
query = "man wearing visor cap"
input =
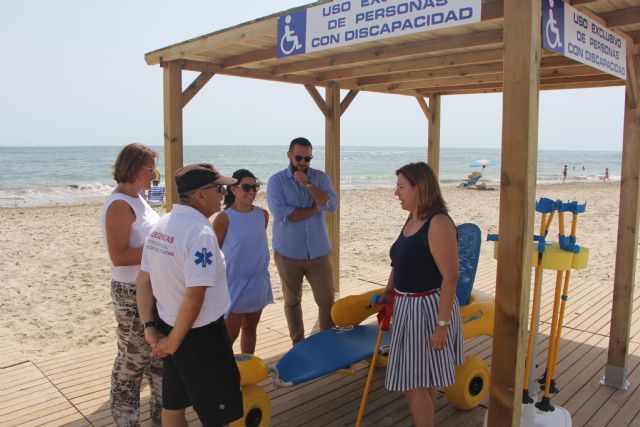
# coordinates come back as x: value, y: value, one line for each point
x: 184, y: 271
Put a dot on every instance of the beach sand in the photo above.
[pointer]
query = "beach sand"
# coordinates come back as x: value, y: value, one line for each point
x: 54, y: 269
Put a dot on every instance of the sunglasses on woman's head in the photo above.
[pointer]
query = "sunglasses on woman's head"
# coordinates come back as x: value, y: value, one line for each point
x: 306, y: 158
x: 248, y: 187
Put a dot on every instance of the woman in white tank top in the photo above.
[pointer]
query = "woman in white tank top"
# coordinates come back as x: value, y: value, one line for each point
x: 126, y: 221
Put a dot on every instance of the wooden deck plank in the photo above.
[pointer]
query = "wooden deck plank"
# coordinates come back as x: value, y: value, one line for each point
x: 591, y: 391
x: 616, y: 399
x: 34, y: 400
x: 82, y: 377
x: 10, y: 356
x: 51, y: 415
x: 629, y: 413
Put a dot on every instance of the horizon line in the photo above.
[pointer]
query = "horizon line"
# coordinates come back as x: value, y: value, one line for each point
x: 285, y: 145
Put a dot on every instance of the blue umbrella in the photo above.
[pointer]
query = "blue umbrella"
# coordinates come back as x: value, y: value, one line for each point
x: 482, y: 162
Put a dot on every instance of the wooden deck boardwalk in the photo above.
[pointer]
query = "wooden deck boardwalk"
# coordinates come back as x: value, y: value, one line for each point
x: 73, y: 388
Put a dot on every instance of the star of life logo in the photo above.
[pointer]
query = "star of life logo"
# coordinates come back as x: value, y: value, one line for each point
x: 203, y: 257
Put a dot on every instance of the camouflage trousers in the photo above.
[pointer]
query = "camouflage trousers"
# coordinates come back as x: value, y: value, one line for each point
x: 132, y: 361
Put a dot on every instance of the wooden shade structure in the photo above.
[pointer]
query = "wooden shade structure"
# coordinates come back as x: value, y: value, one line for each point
x: 502, y: 53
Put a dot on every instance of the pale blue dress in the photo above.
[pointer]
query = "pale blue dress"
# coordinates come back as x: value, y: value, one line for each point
x: 246, y: 253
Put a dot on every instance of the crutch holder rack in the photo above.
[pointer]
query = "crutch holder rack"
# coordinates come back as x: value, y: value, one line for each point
x: 562, y: 257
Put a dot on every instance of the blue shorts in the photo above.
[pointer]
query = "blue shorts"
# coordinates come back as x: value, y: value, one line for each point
x: 203, y: 373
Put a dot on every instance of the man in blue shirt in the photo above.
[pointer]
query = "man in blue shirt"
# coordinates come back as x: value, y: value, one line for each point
x: 298, y: 198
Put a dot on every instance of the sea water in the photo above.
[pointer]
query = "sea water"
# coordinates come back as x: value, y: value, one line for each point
x: 34, y: 176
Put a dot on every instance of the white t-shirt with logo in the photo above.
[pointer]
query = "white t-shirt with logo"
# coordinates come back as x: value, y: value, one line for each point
x: 182, y: 251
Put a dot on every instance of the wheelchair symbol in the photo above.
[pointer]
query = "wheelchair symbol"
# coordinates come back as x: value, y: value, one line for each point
x: 552, y: 33
x: 289, y: 42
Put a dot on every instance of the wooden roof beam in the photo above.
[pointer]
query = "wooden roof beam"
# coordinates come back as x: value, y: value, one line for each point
x: 428, y: 91
x: 348, y: 99
x: 349, y: 75
x: 580, y: 85
x: 427, y: 74
x: 431, y: 62
x: 557, y: 61
x: 425, y: 109
x: 411, y: 93
x: 578, y: 70
x: 212, y: 41
x: 463, y: 79
x: 486, y: 38
x: 469, y: 90
x: 546, y: 78
x: 249, y: 58
x: 317, y: 98
x: 245, y: 72
x: 575, y: 3
x: 620, y: 18
x: 498, y: 89
x: 635, y: 36
x: 195, y: 87
x: 322, y: 104
x: 597, y: 78
x: 492, y: 10
x: 546, y: 62
x: 452, y: 81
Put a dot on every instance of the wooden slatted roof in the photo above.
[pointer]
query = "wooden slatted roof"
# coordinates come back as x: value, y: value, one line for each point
x: 459, y: 60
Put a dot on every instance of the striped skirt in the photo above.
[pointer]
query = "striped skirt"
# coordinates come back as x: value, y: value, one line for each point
x: 412, y: 363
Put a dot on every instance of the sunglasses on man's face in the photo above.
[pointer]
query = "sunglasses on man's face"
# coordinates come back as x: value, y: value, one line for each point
x: 249, y: 187
x: 219, y: 187
x: 306, y: 158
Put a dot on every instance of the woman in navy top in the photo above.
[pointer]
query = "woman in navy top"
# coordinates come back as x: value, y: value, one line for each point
x: 426, y: 339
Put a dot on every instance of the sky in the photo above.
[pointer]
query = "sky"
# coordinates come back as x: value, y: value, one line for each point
x: 73, y: 74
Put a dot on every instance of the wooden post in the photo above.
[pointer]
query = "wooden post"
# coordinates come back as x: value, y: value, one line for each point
x: 433, y: 155
x: 627, y: 246
x: 332, y: 168
x: 172, y: 88
x: 432, y: 113
x: 517, y: 197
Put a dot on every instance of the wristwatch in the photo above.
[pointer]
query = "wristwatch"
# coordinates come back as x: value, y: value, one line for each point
x: 443, y: 322
x: 151, y: 324
x: 308, y: 184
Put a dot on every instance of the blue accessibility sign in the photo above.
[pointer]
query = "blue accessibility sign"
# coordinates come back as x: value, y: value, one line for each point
x: 553, y: 25
x: 292, y: 30
x: 571, y: 33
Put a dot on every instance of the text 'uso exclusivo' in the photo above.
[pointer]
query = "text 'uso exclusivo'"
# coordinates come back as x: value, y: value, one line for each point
x: 424, y: 13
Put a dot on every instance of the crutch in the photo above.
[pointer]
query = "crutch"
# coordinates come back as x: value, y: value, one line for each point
x: 384, y: 317
x: 545, y: 206
x: 570, y: 245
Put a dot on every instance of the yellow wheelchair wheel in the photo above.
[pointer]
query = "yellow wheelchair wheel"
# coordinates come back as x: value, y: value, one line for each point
x: 471, y: 385
x: 383, y: 358
x: 252, y: 369
x: 257, y: 408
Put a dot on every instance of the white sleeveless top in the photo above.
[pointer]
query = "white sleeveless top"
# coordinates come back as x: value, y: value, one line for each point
x: 146, y: 217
